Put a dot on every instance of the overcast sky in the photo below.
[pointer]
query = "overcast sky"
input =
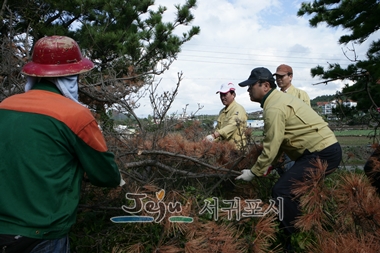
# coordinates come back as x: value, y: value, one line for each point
x: 239, y: 35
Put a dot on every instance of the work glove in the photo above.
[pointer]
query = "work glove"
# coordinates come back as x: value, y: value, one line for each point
x: 209, y: 138
x: 246, y: 175
x: 122, y: 182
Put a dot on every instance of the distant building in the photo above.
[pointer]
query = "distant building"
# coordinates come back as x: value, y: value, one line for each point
x: 350, y: 103
x: 328, y: 106
x: 255, y: 123
x: 320, y: 104
x: 251, y: 123
x: 125, y: 131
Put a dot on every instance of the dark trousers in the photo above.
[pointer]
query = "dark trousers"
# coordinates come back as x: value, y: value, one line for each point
x: 17, y: 244
x: 283, y: 187
x: 21, y: 244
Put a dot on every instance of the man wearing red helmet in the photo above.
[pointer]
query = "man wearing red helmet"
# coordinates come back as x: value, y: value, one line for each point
x: 48, y: 141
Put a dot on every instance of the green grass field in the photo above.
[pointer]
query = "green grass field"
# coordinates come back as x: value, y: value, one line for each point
x: 356, y: 145
x: 367, y: 132
x: 345, y: 137
x: 354, y: 140
x: 356, y: 137
x: 356, y: 149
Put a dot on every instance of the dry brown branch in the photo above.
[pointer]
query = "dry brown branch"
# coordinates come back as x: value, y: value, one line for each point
x: 213, y: 238
x: 359, y: 202
x: 160, y: 165
x: 166, y: 153
x: 345, y: 243
x: 314, y: 196
x: 265, y: 232
x: 162, y: 103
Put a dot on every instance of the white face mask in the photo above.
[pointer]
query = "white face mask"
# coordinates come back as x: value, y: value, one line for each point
x: 67, y: 85
x: 30, y: 81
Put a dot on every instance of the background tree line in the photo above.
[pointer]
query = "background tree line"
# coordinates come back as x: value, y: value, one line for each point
x: 359, y: 19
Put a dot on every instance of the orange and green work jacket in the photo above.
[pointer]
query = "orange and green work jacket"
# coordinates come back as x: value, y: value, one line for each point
x: 298, y: 94
x: 47, y: 143
x: 231, y: 124
x: 290, y: 126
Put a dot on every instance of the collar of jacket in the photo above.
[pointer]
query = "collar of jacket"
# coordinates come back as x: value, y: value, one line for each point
x: 265, y: 97
x: 46, y: 86
x: 226, y: 109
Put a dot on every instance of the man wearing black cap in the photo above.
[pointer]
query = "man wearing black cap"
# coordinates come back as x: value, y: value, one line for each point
x: 293, y: 127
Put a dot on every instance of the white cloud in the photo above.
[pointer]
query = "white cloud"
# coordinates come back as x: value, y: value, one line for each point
x: 239, y: 35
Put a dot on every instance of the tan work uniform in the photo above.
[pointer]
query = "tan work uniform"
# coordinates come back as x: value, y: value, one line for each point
x: 290, y: 127
x: 232, y: 122
x: 298, y: 94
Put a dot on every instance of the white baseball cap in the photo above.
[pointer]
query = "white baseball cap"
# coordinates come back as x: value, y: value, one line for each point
x: 226, y: 87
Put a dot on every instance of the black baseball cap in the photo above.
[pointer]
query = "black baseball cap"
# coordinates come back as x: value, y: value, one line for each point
x: 257, y: 74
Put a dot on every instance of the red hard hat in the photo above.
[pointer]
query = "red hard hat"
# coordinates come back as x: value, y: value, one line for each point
x: 56, y: 56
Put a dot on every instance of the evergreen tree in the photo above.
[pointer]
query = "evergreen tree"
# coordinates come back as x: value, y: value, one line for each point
x: 127, y: 40
x: 361, y: 19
